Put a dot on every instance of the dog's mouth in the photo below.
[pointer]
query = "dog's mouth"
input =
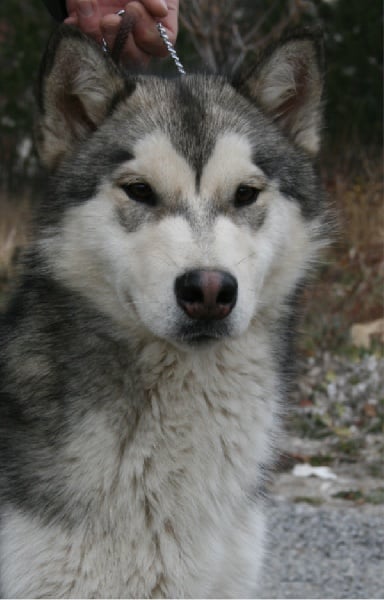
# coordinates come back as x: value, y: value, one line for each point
x: 203, y: 333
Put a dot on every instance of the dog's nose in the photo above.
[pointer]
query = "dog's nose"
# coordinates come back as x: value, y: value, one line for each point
x: 206, y: 294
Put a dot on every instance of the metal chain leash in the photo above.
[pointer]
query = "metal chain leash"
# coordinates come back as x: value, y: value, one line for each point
x: 164, y: 36
x: 170, y: 48
x: 104, y: 44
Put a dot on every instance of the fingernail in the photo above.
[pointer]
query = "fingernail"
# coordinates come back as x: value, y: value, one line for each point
x: 86, y: 8
x: 164, y: 5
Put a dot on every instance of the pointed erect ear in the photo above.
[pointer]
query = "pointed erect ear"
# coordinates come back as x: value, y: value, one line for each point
x: 288, y: 85
x: 77, y: 85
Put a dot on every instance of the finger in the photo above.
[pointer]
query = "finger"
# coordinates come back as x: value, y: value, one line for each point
x: 105, y: 7
x: 147, y: 37
x: 145, y: 33
x: 156, y: 8
x: 171, y: 22
x: 71, y: 20
x: 131, y: 53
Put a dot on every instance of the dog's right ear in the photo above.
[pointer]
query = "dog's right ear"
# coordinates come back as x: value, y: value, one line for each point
x: 77, y: 86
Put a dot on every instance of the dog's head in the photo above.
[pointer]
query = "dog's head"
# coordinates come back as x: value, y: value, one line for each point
x: 187, y: 206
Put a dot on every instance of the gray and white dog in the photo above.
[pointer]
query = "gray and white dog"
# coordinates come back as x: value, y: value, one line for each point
x: 143, y: 354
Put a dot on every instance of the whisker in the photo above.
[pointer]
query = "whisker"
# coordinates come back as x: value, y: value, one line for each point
x: 246, y: 258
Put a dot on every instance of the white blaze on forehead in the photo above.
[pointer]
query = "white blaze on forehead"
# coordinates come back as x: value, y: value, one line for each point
x: 229, y: 165
x: 158, y: 161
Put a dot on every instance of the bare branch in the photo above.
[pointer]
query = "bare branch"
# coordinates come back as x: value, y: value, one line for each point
x: 224, y: 33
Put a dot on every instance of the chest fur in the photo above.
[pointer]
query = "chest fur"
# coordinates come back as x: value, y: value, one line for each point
x: 157, y: 486
x: 194, y: 425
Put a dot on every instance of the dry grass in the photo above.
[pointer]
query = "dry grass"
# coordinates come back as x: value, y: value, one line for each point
x: 357, y: 190
x: 349, y: 288
x: 15, y: 218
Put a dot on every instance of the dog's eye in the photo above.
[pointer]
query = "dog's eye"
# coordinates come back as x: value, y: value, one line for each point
x: 245, y: 195
x: 140, y: 192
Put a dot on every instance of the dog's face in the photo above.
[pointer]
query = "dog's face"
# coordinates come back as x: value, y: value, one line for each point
x: 180, y: 207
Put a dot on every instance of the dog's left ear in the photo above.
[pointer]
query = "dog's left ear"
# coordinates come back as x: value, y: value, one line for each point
x: 288, y: 85
x: 78, y: 84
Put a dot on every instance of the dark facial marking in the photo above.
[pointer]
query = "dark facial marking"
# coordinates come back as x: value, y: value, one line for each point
x: 118, y: 156
x: 120, y: 96
x: 130, y: 219
x: 190, y: 133
x: 296, y: 176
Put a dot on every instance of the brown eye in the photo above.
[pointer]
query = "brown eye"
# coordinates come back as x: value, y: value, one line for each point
x: 245, y: 195
x: 141, y: 192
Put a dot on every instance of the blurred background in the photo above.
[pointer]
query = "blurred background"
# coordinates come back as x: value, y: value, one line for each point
x: 339, y: 396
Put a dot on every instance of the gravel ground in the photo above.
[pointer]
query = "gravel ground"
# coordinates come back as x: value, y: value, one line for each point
x: 327, y: 534
x: 325, y: 552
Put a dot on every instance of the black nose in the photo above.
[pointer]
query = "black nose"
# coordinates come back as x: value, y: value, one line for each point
x: 206, y: 294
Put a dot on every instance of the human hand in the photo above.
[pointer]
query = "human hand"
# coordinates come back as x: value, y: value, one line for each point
x: 98, y: 19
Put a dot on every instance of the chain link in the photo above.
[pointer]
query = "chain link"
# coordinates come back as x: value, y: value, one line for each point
x: 170, y: 48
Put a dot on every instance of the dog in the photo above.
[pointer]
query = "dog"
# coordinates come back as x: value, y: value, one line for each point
x: 145, y: 352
